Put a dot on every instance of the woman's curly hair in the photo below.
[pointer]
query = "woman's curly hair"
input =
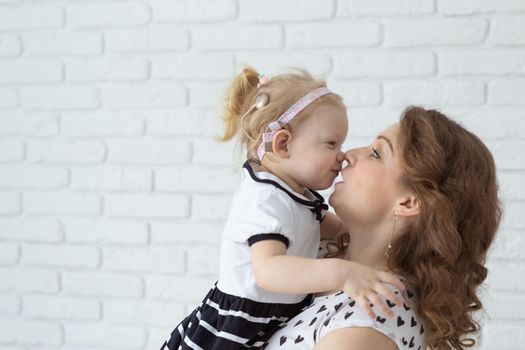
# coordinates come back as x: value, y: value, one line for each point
x: 442, y: 255
x: 453, y: 175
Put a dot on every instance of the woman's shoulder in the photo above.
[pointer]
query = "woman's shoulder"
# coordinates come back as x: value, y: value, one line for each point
x: 356, y: 338
x: 406, y: 328
x: 338, y: 313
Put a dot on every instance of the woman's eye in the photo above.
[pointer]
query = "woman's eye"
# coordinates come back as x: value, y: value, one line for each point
x: 375, y: 153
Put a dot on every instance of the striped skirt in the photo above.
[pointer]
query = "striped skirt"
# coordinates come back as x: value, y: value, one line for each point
x: 224, y: 322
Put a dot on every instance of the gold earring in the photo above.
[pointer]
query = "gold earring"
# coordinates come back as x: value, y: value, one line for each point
x: 389, y: 246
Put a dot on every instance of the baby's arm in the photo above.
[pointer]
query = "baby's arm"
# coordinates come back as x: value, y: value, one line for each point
x: 277, y: 272
x: 332, y: 226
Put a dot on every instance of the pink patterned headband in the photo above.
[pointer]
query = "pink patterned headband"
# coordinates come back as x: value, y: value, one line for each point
x: 273, y: 127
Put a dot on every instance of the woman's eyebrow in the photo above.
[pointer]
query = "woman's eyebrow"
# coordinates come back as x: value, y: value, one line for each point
x: 387, y: 141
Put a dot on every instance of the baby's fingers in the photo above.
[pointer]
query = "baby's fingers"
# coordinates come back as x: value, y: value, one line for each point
x: 381, y: 305
x: 365, y: 305
x: 390, y: 295
x: 386, y: 277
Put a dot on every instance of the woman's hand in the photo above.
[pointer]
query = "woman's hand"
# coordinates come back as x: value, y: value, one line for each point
x: 364, y: 284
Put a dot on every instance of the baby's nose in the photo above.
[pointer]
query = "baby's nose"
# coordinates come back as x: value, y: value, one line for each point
x: 341, y: 156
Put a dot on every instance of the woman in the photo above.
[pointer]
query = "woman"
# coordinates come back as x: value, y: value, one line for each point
x: 422, y: 202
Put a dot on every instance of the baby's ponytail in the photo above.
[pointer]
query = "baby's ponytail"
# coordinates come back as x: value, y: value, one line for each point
x: 282, y: 90
x: 239, y: 96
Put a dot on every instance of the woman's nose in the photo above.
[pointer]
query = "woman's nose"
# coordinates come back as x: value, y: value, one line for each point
x: 350, y: 157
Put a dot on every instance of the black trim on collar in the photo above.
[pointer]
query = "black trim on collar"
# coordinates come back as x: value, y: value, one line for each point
x: 317, y: 206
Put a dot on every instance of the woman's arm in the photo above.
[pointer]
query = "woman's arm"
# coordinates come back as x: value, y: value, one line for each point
x: 362, y: 338
x: 277, y: 272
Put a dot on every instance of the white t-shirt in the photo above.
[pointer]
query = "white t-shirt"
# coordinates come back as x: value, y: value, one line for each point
x: 264, y: 207
x: 336, y: 311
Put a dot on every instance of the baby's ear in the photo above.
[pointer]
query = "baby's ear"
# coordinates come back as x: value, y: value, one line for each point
x: 408, y: 206
x: 280, y: 143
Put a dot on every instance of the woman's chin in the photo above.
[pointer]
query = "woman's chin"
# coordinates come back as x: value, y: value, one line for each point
x: 334, y: 197
x: 332, y: 200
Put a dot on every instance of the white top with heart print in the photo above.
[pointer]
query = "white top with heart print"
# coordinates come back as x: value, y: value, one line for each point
x: 336, y: 311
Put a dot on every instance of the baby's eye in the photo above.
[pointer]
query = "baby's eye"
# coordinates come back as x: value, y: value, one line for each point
x: 375, y: 153
x: 332, y: 144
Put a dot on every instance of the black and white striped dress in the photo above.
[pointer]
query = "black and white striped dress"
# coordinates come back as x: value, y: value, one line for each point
x: 236, y: 313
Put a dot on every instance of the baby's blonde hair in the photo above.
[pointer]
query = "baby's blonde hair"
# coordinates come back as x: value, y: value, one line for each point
x: 284, y: 90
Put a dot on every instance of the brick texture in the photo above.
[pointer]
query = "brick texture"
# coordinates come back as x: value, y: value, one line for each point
x: 114, y: 189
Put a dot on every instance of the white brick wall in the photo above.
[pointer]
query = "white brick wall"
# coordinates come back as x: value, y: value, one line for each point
x: 113, y: 191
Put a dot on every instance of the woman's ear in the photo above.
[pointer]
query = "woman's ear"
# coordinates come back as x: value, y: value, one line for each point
x: 280, y: 143
x: 408, y: 206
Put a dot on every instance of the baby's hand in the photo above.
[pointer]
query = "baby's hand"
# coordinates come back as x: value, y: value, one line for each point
x: 364, y: 284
